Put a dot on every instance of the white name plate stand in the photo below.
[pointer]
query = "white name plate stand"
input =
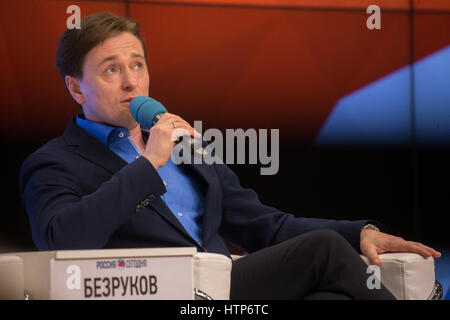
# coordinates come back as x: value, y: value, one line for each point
x: 117, y: 274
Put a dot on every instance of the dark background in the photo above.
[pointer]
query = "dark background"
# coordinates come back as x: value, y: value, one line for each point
x: 404, y: 189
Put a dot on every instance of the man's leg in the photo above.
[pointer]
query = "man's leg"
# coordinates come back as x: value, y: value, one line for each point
x: 318, y: 261
x: 326, y: 296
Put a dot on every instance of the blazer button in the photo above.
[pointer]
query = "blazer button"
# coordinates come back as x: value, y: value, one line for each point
x: 138, y: 207
x: 151, y: 197
x: 145, y: 202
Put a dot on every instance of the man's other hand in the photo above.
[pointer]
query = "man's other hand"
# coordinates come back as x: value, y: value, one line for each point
x: 374, y: 243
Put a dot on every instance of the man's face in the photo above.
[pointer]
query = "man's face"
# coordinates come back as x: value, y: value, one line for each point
x: 114, y: 72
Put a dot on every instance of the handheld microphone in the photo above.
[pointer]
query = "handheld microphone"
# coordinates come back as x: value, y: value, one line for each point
x: 147, y: 111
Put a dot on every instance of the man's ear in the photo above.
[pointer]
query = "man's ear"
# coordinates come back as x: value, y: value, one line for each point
x: 73, y: 85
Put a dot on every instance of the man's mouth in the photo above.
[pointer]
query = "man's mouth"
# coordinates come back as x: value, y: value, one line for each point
x: 127, y: 100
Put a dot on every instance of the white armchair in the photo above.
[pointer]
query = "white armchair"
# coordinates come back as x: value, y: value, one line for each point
x: 26, y: 275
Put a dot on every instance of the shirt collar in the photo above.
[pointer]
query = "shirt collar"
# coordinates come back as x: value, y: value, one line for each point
x: 99, y: 130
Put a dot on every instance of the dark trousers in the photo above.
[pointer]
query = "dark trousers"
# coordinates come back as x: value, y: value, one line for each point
x: 316, y: 265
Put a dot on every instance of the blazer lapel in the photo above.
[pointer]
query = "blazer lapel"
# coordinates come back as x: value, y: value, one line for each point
x: 160, y: 206
x: 92, y: 149
x: 211, y: 204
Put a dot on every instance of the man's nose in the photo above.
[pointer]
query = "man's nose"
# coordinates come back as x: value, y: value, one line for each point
x: 129, y: 81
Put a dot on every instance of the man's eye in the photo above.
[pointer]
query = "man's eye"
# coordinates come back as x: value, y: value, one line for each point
x: 139, y: 65
x: 110, y: 70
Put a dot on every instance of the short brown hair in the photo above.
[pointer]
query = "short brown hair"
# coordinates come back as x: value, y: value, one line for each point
x: 74, y: 44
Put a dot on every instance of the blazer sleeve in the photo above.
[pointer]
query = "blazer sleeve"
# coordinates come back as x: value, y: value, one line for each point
x: 252, y: 225
x: 62, y: 217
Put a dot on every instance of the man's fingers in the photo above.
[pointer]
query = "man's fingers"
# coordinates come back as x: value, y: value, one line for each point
x: 372, y: 255
x: 434, y: 253
x: 174, y: 122
x: 172, y: 118
x: 182, y: 131
x: 426, y: 251
x: 416, y: 247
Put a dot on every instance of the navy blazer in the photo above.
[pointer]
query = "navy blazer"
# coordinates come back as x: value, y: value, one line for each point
x: 81, y: 195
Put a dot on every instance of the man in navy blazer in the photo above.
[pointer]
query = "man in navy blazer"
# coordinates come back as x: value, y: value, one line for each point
x: 97, y: 200
x: 107, y: 184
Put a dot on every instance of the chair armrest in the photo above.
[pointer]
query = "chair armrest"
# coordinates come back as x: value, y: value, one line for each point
x: 408, y: 276
x: 11, y: 278
x: 212, y: 275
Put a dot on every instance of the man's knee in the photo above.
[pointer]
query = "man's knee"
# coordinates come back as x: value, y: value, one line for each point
x: 325, y: 235
x: 325, y: 238
x: 315, y: 244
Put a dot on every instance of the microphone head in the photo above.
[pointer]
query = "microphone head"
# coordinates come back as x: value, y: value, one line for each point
x: 144, y: 110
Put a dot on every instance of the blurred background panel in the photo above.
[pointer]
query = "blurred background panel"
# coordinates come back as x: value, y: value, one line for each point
x: 34, y: 100
x: 435, y: 5
x: 327, y: 4
x: 251, y: 62
x: 249, y: 57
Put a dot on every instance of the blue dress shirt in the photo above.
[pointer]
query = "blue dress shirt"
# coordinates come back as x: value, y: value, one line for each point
x: 185, y: 193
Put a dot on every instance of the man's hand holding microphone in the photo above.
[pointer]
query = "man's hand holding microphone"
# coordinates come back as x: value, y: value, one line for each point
x: 165, y: 129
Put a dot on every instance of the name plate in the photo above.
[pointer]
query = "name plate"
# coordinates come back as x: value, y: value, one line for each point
x: 138, y: 278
